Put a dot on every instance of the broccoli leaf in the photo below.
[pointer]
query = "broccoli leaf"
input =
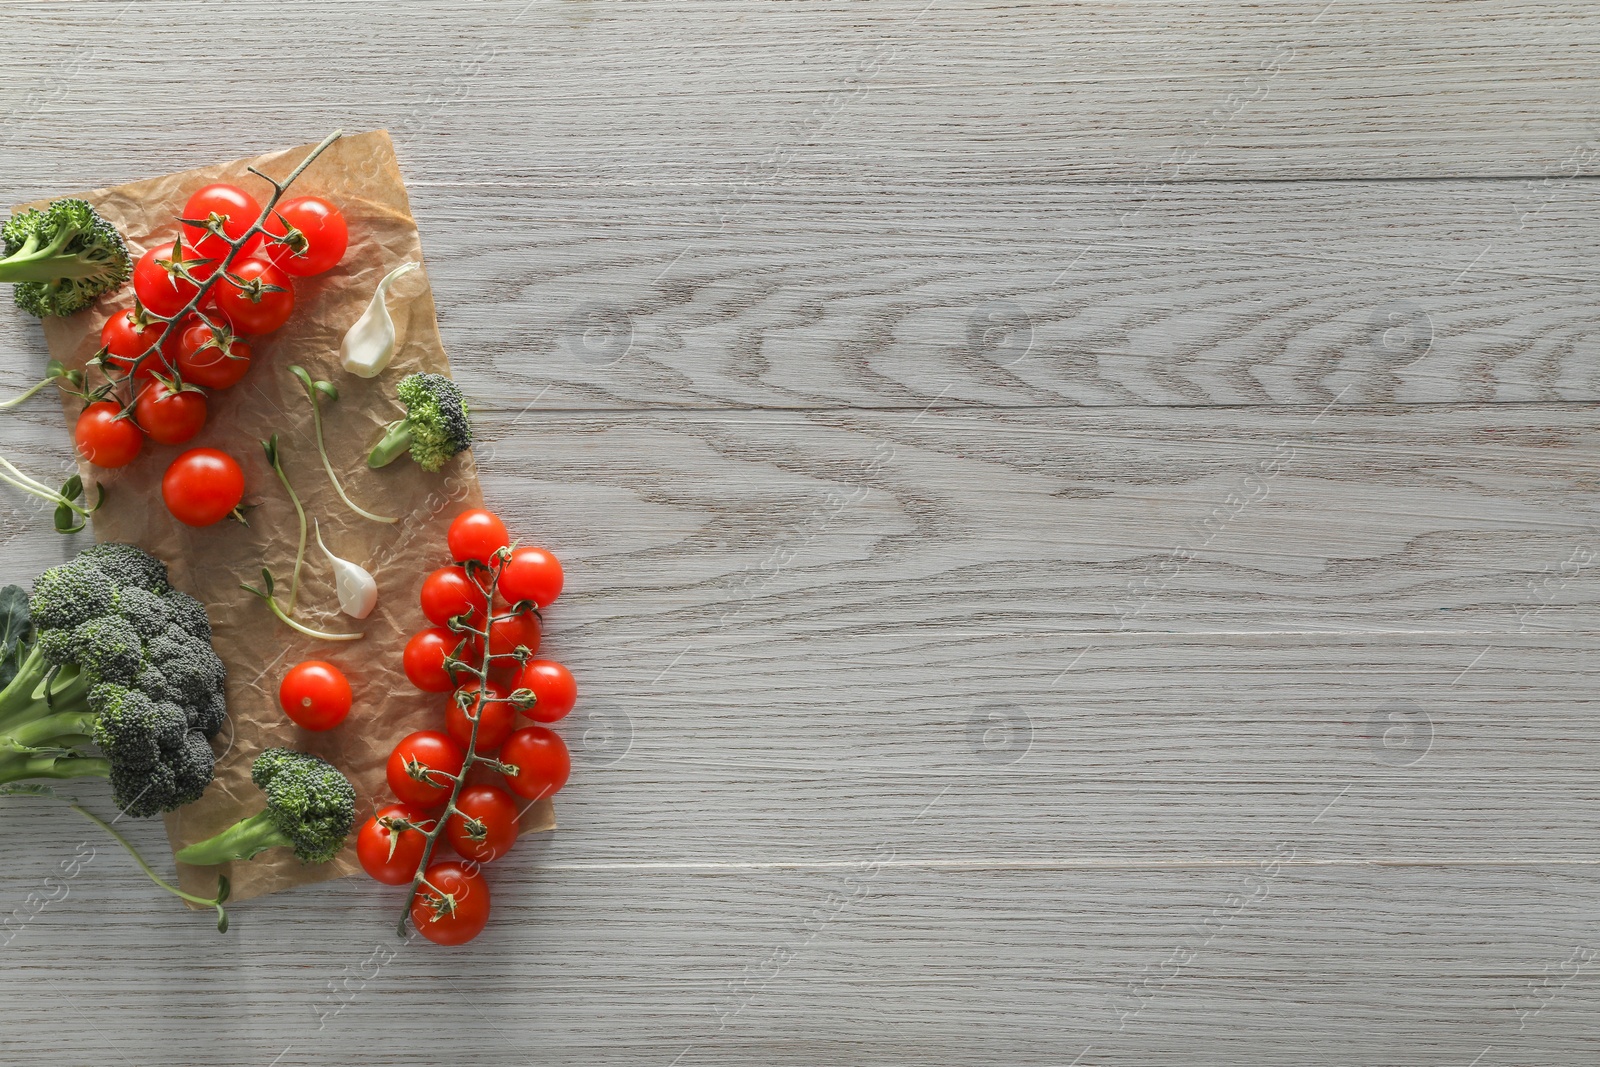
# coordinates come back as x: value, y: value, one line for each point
x: 15, y: 631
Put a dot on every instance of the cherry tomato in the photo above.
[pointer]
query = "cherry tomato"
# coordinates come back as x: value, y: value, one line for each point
x: 234, y: 208
x: 105, y: 440
x: 541, y: 759
x: 424, y: 658
x: 129, y: 334
x: 484, y: 826
x: 553, y: 687
x: 496, y: 718
x: 505, y: 635
x: 452, y: 907
x: 254, y: 296
x: 315, y: 694
x: 449, y: 592
x: 170, y: 418
x: 390, y: 843
x: 477, y: 534
x: 533, y: 574
x: 323, y: 235
x: 421, y: 767
x: 210, y: 357
x: 202, y: 486
x: 159, y: 285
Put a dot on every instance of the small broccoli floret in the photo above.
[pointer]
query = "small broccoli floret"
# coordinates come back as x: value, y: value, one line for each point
x: 61, y: 257
x: 146, y: 612
x: 189, y: 615
x: 108, y: 649
x: 128, y: 565
x: 64, y: 596
x: 311, y: 808
x: 437, y: 424
x: 113, y: 659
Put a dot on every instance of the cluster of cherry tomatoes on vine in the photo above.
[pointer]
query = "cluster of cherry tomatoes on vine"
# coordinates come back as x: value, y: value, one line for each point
x: 168, y: 362
x: 481, y: 650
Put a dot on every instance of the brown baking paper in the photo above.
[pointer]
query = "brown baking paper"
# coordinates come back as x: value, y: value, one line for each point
x: 361, y: 176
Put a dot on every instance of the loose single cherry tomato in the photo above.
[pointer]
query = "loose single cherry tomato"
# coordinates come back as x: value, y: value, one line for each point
x: 254, y: 296
x: 533, y: 574
x: 422, y: 767
x: 170, y: 418
x: 484, y: 826
x: 505, y: 635
x: 158, y: 279
x: 306, y: 235
x: 553, y: 688
x: 202, y: 486
x: 391, y: 843
x: 449, y: 592
x: 477, y: 534
x: 228, y: 206
x: 211, y: 357
x: 496, y: 718
x: 129, y: 334
x: 104, y: 439
x: 315, y: 694
x: 424, y: 658
x: 542, y: 761
x: 452, y: 907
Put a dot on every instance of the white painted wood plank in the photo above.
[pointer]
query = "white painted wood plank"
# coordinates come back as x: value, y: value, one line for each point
x: 747, y: 95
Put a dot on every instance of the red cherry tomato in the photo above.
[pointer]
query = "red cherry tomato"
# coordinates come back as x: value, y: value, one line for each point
x: 254, y: 296
x: 541, y: 759
x: 170, y: 418
x: 202, y: 486
x: 315, y: 694
x: 213, y: 358
x: 391, y: 843
x: 129, y: 334
x: 477, y: 534
x: 506, y: 634
x: 533, y: 574
x: 105, y: 440
x: 484, y: 826
x: 424, y: 659
x: 553, y: 687
x: 496, y: 718
x: 323, y: 235
x: 452, y: 907
x: 236, y: 211
x: 421, y: 767
x: 449, y: 592
x: 159, y: 285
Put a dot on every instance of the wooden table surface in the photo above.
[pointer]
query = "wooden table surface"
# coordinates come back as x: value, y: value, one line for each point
x: 1080, y: 521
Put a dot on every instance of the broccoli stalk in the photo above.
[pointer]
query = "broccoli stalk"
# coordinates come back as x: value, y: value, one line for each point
x: 114, y: 658
x: 61, y: 257
x: 311, y: 808
x: 435, y: 428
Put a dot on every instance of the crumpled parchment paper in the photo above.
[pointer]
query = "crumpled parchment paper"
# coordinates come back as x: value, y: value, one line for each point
x: 360, y: 174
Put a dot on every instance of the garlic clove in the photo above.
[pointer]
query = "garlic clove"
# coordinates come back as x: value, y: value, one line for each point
x: 368, y: 346
x: 358, y: 591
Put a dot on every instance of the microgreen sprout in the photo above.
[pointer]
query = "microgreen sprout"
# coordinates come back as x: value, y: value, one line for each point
x: 319, y: 391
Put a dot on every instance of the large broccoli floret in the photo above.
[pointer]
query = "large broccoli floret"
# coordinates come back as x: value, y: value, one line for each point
x: 61, y: 257
x: 311, y: 808
x: 435, y: 428
x: 114, y: 658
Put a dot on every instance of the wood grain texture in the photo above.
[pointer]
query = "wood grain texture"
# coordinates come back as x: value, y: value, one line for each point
x: 1080, y: 522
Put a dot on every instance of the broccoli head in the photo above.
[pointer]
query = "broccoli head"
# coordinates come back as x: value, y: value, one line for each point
x: 115, y: 656
x: 61, y: 257
x: 436, y: 426
x: 311, y: 808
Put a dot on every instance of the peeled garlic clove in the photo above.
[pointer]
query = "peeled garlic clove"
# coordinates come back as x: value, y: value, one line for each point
x: 368, y: 346
x: 358, y: 592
